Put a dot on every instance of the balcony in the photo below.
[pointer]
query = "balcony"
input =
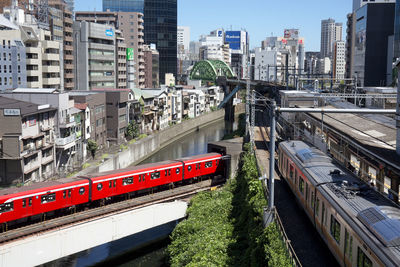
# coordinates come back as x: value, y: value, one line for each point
x: 51, y: 44
x: 102, y: 57
x: 102, y: 78
x: 69, y: 85
x: 140, y: 33
x: 67, y: 122
x: 55, y: 69
x: 66, y: 142
x: 52, y: 57
x: 101, y: 67
x: 31, y: 166
x: 68, y: 38
x: 51, y: 81
x: 68, y: 76
x: 68, y: 20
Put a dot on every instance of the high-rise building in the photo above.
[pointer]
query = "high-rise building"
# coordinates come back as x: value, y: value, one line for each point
x: 131, y: 26
x: 239, y: 44
x: 359, y: 3
x: 95, y: 49
x: 12, y: 59
x: 183, y: 38
x: 60, y: 21
x: 396, y: 53
x: 374, y: 25
x: 350, y: 44
x: 160, y: 27
x: 339, y: 60
x: 330, y: 33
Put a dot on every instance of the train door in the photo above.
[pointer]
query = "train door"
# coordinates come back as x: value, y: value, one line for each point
x: 27, y: 205
x: 67, y: 200
x: 112, y: 187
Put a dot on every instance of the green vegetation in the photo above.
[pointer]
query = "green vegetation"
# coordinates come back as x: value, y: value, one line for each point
x: 132, y: 141
x: 123, y: 147
x: 92, y: 147
x: 225, y: 227
x: 86, y: 165
x: 72, y: 174
x: 132, y: 131
x: 142, y: 136
x: 241, y: 129
x: 104, y: 156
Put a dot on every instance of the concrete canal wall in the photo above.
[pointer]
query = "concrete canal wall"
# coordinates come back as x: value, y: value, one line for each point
x: 142, y: 149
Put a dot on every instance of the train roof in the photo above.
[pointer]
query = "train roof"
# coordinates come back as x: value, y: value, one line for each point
x: 133, y: 168
x: 356, y: 201
x: 36, y: 186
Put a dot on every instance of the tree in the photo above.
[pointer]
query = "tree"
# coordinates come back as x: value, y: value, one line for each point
x: 92, y: 147
x: 132, y: 130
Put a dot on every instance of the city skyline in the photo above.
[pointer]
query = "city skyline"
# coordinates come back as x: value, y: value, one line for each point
x: 239, y: 17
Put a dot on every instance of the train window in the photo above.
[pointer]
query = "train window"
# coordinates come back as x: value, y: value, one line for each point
x: 291, y: 172
x: 115, y: 183
x: 69, y: 192
x: 6, y: 207
x: 178, y: 171
x: 24, y: 203
x: 301, y: 185
x: 348, y: 245
x: 362, y: 259
x: 295, y: 173
x: 169, y: 172
x: 143, y: 177
x: 30, y: 202
x: 166, y: 172
x: 110, y: 184
x: 335, y: 229
x: 140, y: 178
x: 48, y: 198
x: 81, y: 190
x: 312, y: 200
x: 127, y: 181
x: 323, y: 214
x: 155, y: 175
x: 99, y: 186
x: 306, y: 192
x: 208, y: 164
x: 317, y: 207
x: 64, y: 193
x: 189, y: 168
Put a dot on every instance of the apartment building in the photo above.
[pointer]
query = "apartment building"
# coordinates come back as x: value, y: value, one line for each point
x: 12, y: 60
x: 27, y: 144
x: 121, y: 60
x: 61, y: 21
x: 152, y: 62
x: 42, y: 58
x: 68, y: 128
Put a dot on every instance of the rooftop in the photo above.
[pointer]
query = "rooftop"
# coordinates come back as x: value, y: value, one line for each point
x: 26, y: 108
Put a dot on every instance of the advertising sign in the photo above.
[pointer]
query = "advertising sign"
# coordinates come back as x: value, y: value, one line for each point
x: 129, y: 54
x: 110, y: 32
x: 233, y: 38
x: 291, y: 34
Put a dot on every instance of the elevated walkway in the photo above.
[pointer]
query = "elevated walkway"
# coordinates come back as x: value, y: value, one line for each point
x: 54, y: 244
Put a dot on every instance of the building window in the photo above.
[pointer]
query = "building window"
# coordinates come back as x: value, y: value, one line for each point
x: 5, y: 68
x: 9, y: 67
x: 9, y: 56
x: 5, y: 80
x: 4, y: 56
x: 19, y: 80
x: 19, y: 56
x: 19, y: 69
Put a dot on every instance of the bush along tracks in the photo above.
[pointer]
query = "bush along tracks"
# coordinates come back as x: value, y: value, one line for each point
x: 225, y: 227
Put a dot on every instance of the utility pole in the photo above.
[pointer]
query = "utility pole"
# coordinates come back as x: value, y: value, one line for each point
x: 272, y: 156
x: 247, y: 100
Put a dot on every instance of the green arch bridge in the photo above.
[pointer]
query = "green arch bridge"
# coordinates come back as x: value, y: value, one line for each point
x: 209, y: 70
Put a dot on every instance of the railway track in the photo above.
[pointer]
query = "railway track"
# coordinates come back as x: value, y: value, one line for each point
x: 183, y: 192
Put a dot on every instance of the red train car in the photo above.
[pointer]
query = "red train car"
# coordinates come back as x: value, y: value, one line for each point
x: 41, y: 198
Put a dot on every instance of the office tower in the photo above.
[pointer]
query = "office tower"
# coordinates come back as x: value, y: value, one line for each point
x: 339, y: 60
x: 160, y: 27
x: 359, y: 3
x: 183, y: 37
x: 374, y: 25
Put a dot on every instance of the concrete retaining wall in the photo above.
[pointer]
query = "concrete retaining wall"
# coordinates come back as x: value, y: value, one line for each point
x: 151, y: 144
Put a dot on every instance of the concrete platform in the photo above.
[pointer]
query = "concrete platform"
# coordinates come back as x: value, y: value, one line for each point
x: 231, y: 147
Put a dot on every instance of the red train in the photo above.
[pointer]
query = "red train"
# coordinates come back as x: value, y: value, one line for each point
x: 42, y: 198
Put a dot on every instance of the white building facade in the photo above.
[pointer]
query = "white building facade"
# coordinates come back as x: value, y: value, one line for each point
x: 339, y: 60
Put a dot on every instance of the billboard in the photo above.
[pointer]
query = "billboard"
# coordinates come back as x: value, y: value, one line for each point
x: 291, y: 34
x: 233, y: 38
x: 110, y: 32
x: 129, y: 54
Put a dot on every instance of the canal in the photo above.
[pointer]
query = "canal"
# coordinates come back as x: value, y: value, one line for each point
x: 147, y: 248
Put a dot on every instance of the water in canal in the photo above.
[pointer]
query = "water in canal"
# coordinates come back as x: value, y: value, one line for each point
x: 142, y: 249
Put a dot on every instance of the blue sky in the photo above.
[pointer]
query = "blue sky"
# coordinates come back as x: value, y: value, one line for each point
x: 260, y: 18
